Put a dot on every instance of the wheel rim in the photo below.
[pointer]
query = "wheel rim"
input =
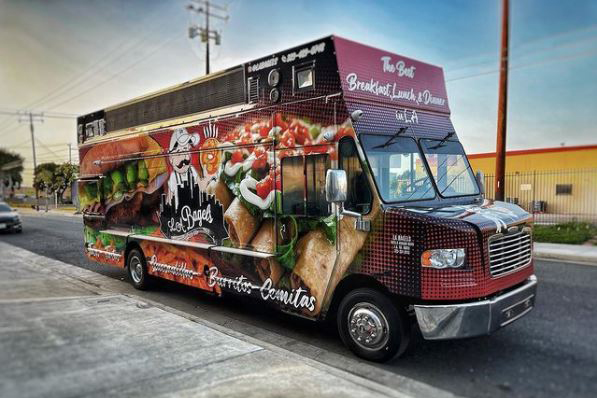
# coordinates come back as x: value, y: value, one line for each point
x: 367, y: 326
x: 136, y: 269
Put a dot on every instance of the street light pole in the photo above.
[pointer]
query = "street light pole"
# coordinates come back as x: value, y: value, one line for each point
x: 32, y: 119
x: 205, y: 7
x: 207, y: 41
x: 500, y: 153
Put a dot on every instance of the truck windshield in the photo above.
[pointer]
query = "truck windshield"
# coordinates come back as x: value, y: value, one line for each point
x: 398, y: 168
x: 450, y: 168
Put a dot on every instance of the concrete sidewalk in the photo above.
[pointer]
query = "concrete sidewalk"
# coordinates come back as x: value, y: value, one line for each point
x: 62, y: 334
x: 575, y: 253
x: 56, y: 212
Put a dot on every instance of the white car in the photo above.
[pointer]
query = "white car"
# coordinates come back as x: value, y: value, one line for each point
x: 10, y: 220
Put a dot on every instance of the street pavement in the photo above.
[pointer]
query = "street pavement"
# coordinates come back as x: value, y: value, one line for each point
x: 63, y: 332
x: 550, y: 352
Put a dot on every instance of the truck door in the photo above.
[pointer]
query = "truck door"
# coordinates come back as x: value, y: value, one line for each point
x: 360, y: 197
x: 306, y: 230
x: 359, y: 210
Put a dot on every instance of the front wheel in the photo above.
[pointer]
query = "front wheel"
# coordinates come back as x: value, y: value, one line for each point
x: 137, y: 270
x: 372, y: 326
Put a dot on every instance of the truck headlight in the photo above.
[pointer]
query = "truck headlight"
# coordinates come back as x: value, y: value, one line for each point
x: 443, y: 258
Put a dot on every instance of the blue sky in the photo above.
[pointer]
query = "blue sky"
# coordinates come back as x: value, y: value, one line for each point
x: 103, y: 52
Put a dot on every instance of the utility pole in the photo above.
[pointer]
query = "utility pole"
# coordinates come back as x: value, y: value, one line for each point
x: 205, y: 7
x: 70, y: 157
x: 500, y: 152
x: 34, y: 118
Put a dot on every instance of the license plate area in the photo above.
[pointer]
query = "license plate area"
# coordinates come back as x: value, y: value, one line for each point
x: 517, y: 310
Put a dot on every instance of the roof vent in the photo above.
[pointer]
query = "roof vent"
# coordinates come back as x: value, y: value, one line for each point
x: 253, y: 90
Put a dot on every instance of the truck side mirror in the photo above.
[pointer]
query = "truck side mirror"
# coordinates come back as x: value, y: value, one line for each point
x: 480, y: 177
x: 335, y: 186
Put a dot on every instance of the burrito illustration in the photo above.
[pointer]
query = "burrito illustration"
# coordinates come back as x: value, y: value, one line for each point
x: 264, y: 242
x: 314, y: 265
x: 241, y: 224
x: 221, y: 192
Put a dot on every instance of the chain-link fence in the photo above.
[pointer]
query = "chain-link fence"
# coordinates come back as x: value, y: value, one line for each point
x: 552, y: 196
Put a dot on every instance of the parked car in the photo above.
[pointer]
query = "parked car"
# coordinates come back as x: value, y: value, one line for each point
x: 10, y: 220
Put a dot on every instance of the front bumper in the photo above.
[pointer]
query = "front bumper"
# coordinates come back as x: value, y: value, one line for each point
x: 10, y: 225
x: 456, y: 321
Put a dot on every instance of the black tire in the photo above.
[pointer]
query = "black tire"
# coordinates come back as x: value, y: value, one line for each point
x: 136, y: 269
x: 382, y: 327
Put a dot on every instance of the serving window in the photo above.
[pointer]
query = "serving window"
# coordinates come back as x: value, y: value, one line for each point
x: 359, y: 195
x: 293, y: 185
x: 303, y: 185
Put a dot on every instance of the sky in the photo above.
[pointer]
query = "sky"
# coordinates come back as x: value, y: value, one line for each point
x: 77, y: 56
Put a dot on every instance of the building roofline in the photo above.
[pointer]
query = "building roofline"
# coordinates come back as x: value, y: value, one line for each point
x: 534, y: 151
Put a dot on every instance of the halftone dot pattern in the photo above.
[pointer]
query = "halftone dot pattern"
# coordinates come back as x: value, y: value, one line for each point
x: 403, y: 274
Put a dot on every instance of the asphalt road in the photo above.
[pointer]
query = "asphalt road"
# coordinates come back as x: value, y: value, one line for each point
x: 550, y: 352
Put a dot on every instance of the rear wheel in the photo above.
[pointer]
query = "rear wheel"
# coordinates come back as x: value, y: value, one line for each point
x: 372, y: 326
x: 137, y: 270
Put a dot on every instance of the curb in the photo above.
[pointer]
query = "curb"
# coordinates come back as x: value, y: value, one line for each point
x: 358, y: 374
x: 582, y: 254
x: 578, y: 259
x: 41, y: 213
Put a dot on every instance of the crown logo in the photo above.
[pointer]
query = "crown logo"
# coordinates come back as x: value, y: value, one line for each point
x: 210, y: 131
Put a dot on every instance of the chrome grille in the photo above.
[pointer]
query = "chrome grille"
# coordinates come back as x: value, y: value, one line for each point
x: 509, y: 252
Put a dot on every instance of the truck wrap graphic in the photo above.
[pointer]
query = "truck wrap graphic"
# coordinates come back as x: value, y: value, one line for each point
x: 222, y: 184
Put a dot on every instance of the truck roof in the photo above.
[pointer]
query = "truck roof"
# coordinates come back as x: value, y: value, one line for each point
x: 366, y: 77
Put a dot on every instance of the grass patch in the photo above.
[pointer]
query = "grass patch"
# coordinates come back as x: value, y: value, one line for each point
x: 570, y: 232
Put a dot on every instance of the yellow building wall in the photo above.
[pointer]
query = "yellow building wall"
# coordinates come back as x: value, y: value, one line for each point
x: 543, y: 161
x: 532, y: 177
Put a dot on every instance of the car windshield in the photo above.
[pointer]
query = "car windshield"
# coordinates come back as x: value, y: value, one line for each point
x: 398, y: 168
x: 4, y: 208
x: 450, y: 168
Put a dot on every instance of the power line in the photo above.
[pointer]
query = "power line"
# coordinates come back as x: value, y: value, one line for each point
x: 50, y: 115
x: 536, y: 51
x: 546, y: 61
x: 19, y: 145
x: 127, y: 68
x: 104, y: 61
x: 521, y: 46
x: 130, y: 66
x: 21, y: 114
x: 15, y: 125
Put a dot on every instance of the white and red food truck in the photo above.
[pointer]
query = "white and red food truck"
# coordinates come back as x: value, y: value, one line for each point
x: 326, y: 180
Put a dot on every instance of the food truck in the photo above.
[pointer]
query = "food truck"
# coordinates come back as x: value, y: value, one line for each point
x: 326, y: 180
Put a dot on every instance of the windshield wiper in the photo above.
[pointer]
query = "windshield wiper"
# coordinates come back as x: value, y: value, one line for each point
x: 455, y: 178
x: 430, y: 185
x: 392, y: 138
x: 446, y: 138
